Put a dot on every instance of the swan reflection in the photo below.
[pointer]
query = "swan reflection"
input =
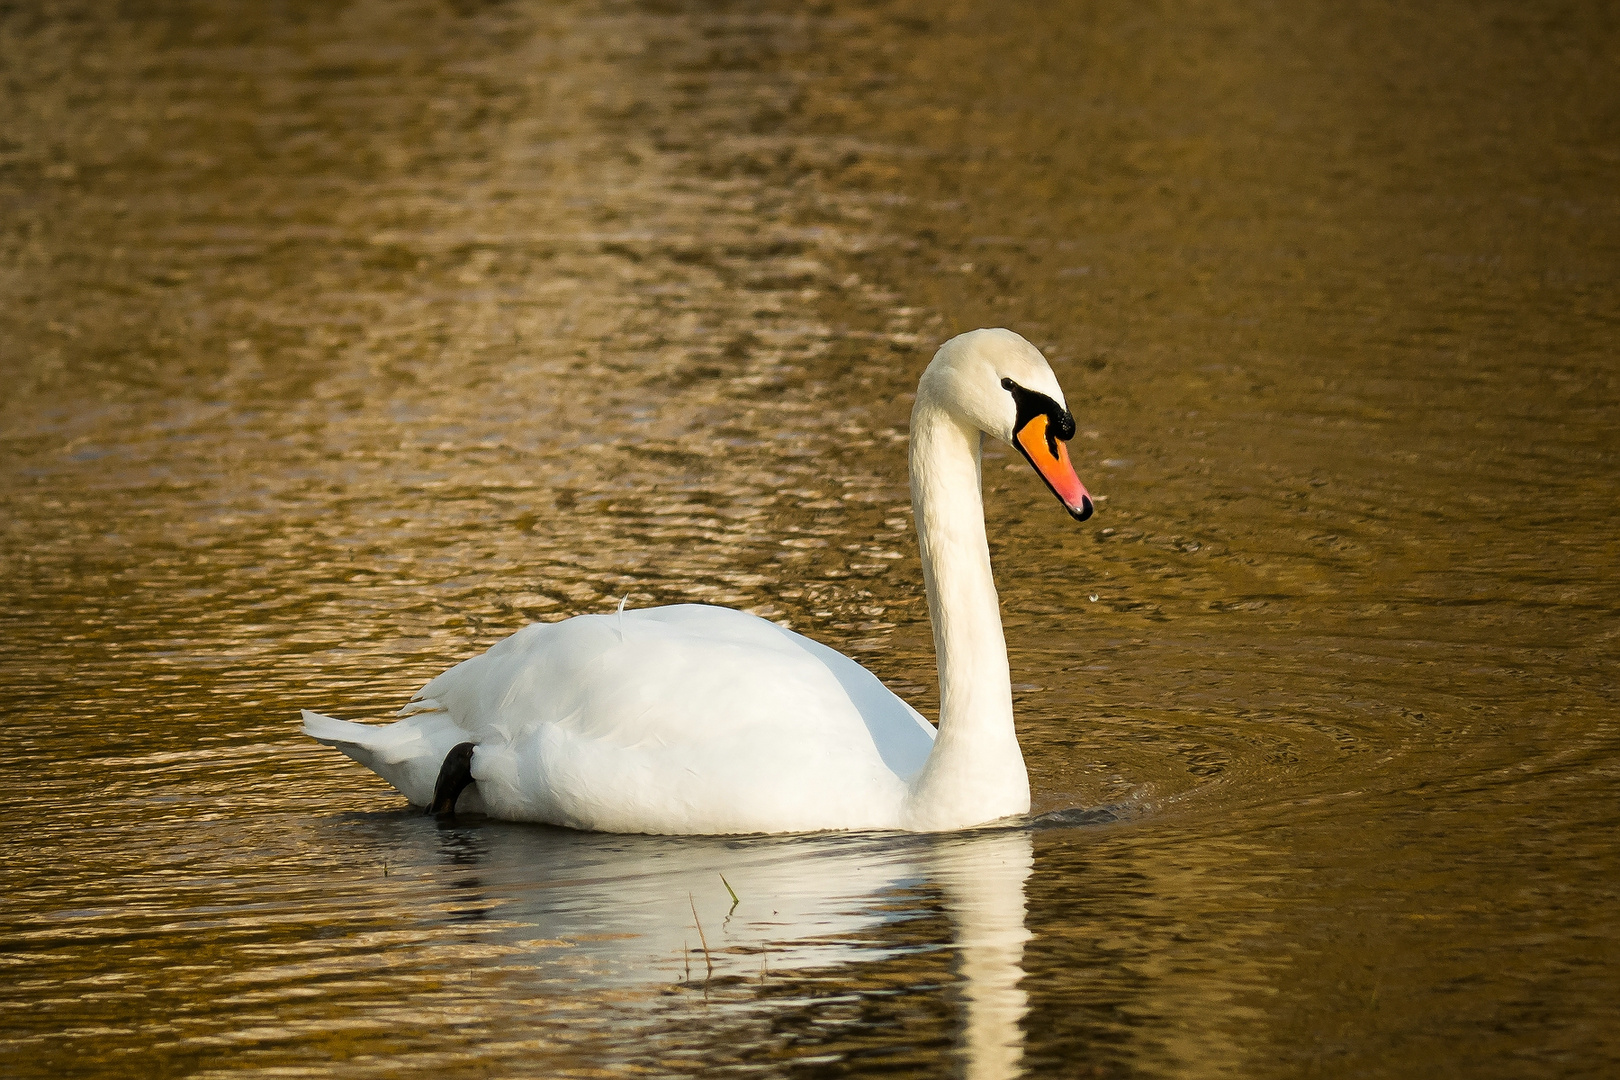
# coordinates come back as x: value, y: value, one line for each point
x: 589, y: 912
x: 983, y: 881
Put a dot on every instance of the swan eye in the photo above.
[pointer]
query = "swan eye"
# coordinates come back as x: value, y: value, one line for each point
x: 1033, y: 403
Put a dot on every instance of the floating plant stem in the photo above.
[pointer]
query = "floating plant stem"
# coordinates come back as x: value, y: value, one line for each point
x: 703, y: 940
x: 733, y: 892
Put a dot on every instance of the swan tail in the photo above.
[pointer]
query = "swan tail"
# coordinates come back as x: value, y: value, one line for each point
x: 408, y: 753
x: 331, y: 731
x: 372, y: 743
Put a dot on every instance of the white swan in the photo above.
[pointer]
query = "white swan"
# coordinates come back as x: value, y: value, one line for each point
x: 698, y: 719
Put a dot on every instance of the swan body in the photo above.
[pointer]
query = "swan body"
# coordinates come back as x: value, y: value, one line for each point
x: 697, y: 719
x: 683, y: 719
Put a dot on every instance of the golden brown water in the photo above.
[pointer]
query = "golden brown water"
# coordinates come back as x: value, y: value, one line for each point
x: 341, y: 340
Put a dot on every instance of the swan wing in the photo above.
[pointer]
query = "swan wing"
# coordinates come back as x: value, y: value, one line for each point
x: 688, y: 718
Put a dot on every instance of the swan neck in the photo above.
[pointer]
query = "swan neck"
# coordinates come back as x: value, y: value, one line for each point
x: 975, y: 772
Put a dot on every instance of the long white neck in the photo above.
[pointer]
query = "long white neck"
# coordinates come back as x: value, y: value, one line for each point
x: 975, y: 772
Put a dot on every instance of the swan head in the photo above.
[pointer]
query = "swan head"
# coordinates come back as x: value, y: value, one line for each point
x: 1001, y: 384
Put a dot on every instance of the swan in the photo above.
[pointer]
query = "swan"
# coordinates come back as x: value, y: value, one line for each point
x: 694, y: 719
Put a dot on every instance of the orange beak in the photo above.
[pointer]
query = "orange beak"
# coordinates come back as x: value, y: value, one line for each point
x: 1051, y: 459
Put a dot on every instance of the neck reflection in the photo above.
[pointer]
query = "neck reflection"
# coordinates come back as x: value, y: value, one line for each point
x: 983, y: 881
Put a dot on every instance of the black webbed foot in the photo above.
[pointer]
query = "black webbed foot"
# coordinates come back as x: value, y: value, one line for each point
x: 454, y: 775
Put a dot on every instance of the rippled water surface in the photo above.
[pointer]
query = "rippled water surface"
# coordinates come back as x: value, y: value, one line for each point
x: 341, y: 340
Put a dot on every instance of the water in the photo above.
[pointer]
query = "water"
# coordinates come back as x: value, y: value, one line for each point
x: 342, y: 340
